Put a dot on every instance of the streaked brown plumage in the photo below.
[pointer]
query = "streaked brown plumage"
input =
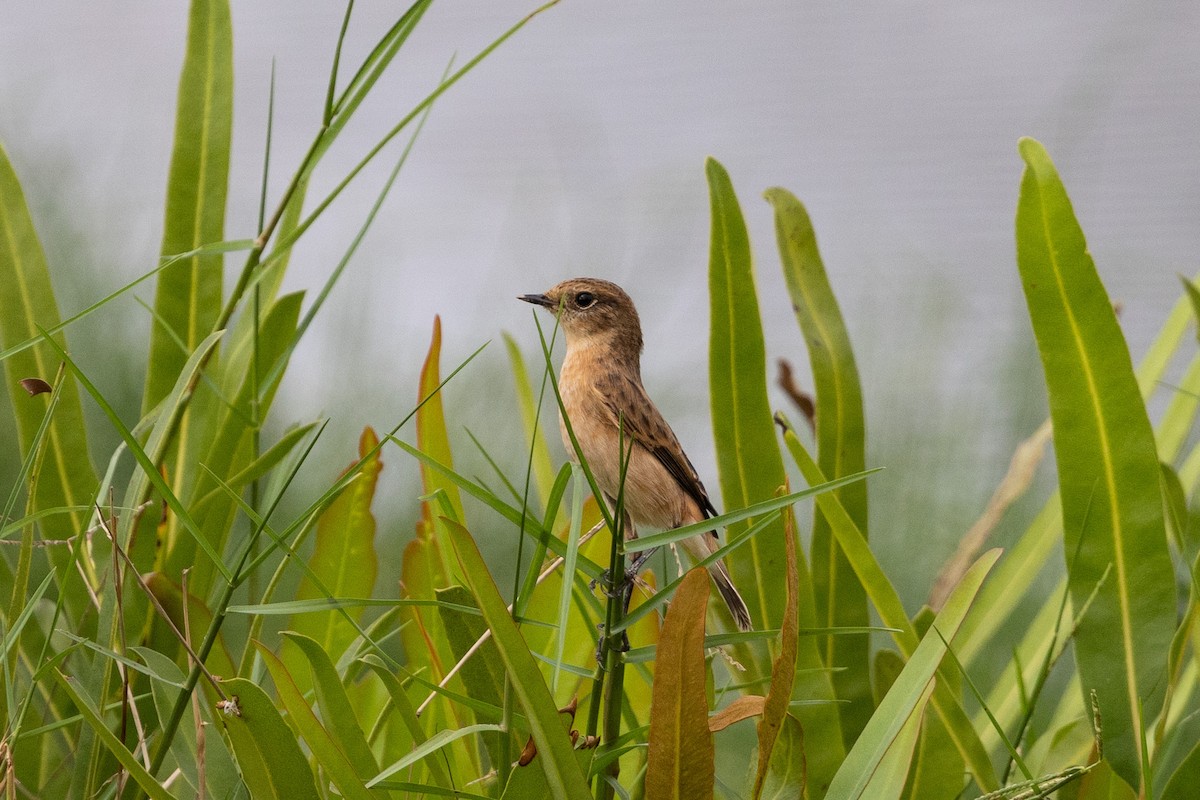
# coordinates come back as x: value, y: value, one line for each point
x: 601, y: 386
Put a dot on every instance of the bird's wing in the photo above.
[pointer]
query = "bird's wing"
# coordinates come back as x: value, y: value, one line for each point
x: 632, y: 407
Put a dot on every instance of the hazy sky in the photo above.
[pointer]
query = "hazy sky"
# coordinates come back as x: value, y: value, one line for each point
x: 578, y: 148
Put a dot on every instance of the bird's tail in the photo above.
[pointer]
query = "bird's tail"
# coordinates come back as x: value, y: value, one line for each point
x: 729, y: 593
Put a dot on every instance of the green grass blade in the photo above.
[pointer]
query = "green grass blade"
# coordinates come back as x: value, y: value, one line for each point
x: 225, y: 441
x: 555, y: 755
x: 343, y: 558
x: 868, y: 771
x: 429, y: 747
x: 543, y: 467
x: 841, y: 450
x: 532, y: 526
x: 887, y: 604
x: 218, y: 247
x: 402, y: 706
x: 189, y: 292
x: 340, y: 759
x: 1107, y: 463
x: 748, y: 457
x: 67, y: 478
x: 115, y: 746
x: 482, y: 674
x: 743, y: 514
x: 220, y: 773
x: 149, y: 472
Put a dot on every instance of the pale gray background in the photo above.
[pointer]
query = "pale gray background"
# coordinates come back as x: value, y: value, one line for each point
x: 578, y: 148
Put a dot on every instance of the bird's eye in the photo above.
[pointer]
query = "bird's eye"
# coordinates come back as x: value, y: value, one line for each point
x: 584, y: 299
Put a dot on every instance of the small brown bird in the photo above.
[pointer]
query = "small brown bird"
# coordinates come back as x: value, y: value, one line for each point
x: 601, y: 387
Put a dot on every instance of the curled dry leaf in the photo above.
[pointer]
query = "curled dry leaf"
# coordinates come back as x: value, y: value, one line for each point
x: 35, y: 386
x: 803, y: 400
x: 746, y: 706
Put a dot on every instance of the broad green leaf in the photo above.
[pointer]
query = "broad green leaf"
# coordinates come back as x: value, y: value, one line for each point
x: 1024, y: 562
x: 344, y: 558
x: 188, y: 298
x: 267, y: 752
x: 680, y: 764
x: 427, y: 560
x: 937, y: 771
x: 1181, y: 774
x: 432, y: 438
x: 841, y: 450
x: 220, y: 773
x: 785, y: 776
x: 748, y: 457
x: 326, y: 747
x: 1107, y: 465
x: 557, y: 759
x: 67, y: 478
x: 877, y: 765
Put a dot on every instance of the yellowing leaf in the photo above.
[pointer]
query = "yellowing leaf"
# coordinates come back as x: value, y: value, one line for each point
x: 680, y: 758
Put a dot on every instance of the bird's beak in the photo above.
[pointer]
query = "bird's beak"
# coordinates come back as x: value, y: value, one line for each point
x: 538, y: 300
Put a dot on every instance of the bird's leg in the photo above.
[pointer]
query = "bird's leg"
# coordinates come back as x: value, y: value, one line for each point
x: 638, y: 562
x: 621, y: 591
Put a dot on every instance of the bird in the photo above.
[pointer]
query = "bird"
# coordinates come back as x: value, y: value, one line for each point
x: 600, y: 383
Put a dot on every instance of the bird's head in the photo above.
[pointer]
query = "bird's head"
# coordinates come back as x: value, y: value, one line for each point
x: 593, y: 312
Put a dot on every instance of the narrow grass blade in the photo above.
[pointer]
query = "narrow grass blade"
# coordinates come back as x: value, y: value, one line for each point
x: 887, y: 604
x: 220, y: 773
x: 1107, y: 463
x: 115, y: 746
x: 189, y: 292
x: 222, y: 435
x: 543, y: 467
x: 749, y: 513
x: 557, y: 759
x: 149, y: 470
x: 841, y: 450
x: 483, y: 674
x: 748, y: 457
x: 532, y: 526
x: 262, y: 465
x: 872, y: 768
x: 328, y: 749
x: 680, y: 762
x: 403, y: 707
x: 344, y: 558
x: 427, y: 748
